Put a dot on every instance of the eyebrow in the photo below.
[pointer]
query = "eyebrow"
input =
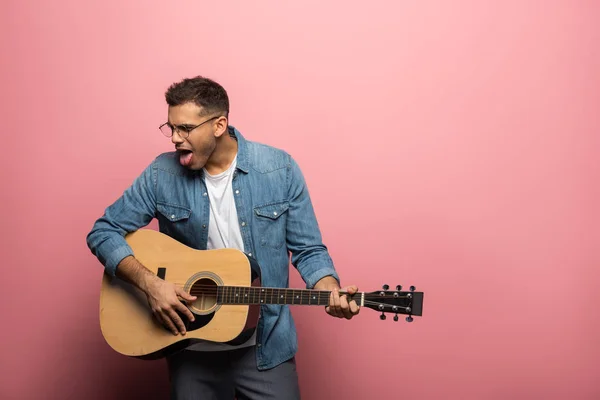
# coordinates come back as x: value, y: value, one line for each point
x: 187, y: 125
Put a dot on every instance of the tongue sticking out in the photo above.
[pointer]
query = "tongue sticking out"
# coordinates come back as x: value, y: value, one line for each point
x: 185, y: 158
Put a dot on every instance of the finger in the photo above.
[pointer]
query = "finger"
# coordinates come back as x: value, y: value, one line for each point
x: 178, y: 322
x: 167, y: 322
x: 354, y: 308
x: 184, y: 310
x: 345, y: 307
x: 331, y: 307
x: 351, y: 289
x: 336, y: 304
x: 185, y: 295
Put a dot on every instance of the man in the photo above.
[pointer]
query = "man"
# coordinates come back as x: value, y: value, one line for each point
x: 218, y: 190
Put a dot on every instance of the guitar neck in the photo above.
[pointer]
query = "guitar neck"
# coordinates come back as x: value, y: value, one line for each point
x: 260, y: 295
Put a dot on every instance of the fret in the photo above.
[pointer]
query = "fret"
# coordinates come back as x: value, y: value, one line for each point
x: 257, y: 295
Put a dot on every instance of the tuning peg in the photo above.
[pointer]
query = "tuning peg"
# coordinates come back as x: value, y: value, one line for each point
x: 382, y: 317
x: 396, y: 318
x: 386, y: 287
x: 398, y: 287
x: 409, y: 319
x: 412, y: 288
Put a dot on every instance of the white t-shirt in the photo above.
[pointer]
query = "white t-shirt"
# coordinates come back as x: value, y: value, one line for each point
x: 223, y: 231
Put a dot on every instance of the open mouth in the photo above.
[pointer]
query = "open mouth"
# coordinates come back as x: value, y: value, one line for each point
x: 185, y: 157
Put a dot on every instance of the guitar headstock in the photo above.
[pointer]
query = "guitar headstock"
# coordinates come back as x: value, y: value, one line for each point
x: 395, y: 302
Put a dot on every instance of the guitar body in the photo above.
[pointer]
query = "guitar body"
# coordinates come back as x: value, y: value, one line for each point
x: 127, y: 322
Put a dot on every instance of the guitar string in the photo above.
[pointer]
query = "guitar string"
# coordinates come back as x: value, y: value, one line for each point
x: 371, y: 303
x: 227, y: 290
x: 275, y: 288
x: 303, y: 295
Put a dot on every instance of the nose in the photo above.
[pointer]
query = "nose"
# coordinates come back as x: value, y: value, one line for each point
x: 176, y: 137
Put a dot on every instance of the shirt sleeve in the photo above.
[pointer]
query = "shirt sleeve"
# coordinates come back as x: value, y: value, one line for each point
x: 308, y: 253
x: 134, y: 209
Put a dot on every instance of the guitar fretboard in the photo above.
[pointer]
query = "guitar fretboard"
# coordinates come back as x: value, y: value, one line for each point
x: 259, y: 295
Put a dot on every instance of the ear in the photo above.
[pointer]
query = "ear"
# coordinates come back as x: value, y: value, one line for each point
x: 220, y: 125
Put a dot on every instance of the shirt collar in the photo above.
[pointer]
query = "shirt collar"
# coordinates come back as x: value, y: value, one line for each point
x: 243, y: 159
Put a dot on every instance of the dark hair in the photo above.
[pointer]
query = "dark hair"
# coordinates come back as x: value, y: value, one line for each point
x: 204, y: 92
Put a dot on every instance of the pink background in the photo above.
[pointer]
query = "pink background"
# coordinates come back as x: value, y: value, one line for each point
x: 452, y: 145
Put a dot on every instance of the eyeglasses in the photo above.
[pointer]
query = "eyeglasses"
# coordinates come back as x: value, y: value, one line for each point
x: 184, y: 130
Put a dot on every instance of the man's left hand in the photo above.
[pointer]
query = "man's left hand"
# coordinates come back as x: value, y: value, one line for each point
x: 339, y: 306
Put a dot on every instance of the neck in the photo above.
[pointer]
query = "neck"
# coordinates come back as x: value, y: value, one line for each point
x: 222, y: 157
x: 261, y: 295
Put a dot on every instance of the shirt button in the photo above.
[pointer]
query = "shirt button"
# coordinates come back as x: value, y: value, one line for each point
x: 237, y: 192
x: 250, y: 254
x: 259, y: 345
x: 204, y: 194
x: 274, y: 212
x: 204, y: 226
x: 243, y: 224
x: 173, y: 216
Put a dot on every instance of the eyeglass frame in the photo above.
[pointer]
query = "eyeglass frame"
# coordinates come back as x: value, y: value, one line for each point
x: 181, y: 131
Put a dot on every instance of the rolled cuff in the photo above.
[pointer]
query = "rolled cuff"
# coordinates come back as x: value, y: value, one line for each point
x: 319, y: 273
x: 114, y: 255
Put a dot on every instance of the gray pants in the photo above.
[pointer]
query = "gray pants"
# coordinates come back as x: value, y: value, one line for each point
x: 225, y: 375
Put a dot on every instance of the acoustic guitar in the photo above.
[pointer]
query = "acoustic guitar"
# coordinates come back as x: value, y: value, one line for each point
x: 226, y: 283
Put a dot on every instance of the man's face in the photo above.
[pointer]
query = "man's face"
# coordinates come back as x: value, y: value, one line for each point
x: 195, y: 149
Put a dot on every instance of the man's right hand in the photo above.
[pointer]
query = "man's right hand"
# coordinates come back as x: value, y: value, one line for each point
x: 162, y: 295
x: 164, y: 302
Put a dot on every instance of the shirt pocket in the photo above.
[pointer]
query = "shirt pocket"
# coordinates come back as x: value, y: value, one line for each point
x: 172, y: 213
x: 271, y: 223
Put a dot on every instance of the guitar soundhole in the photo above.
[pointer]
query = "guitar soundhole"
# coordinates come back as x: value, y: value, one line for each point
x: 206, y: 292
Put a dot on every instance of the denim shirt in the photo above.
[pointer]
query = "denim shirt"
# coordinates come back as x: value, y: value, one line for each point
x: 276, y: 220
